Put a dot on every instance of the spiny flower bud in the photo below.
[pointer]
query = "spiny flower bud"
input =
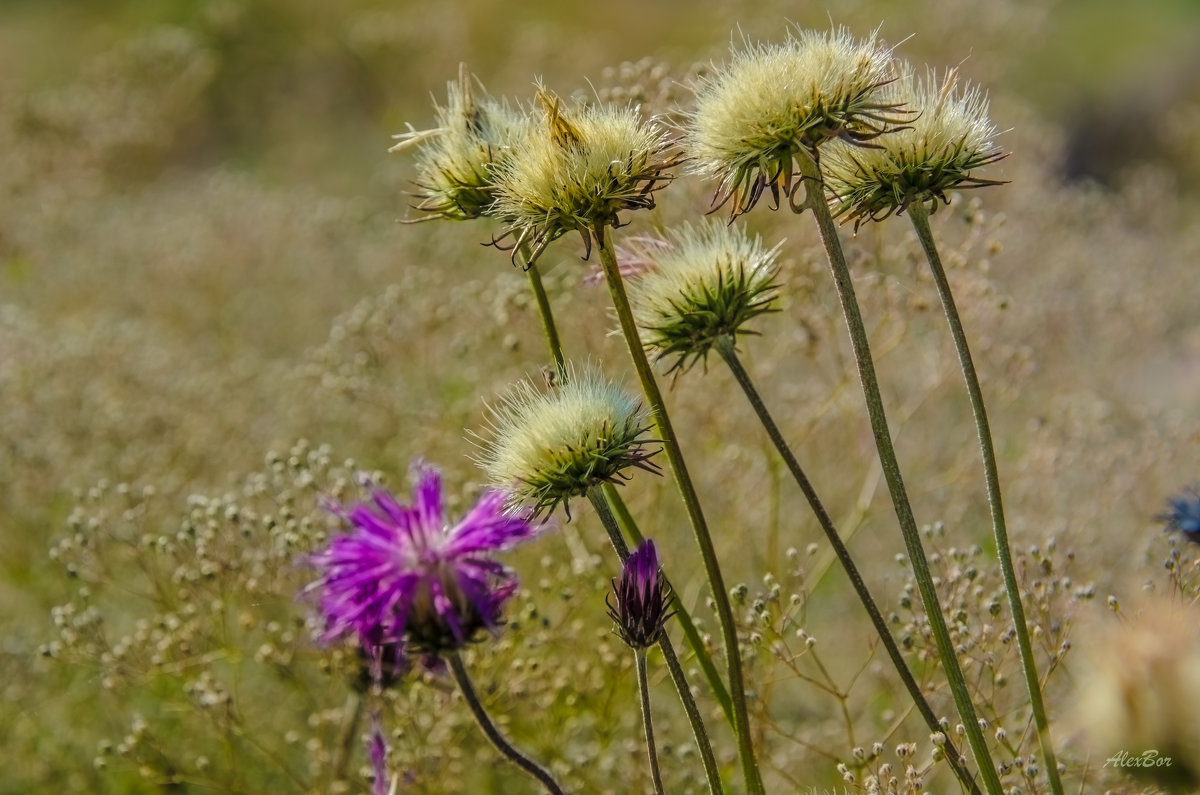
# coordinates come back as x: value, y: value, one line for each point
x: 549, y: 446
x: 582, y: 167
x: 701, y: 284
x: 773, y: 103
x: 643, y: 596
x: 456, y: 158
x: 936, y: 151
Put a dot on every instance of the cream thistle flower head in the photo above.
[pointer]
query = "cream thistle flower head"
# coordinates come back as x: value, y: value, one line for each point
x: 775, y: 102
x: 702, y: 284
x: 583, y: 167
x: 455, y: 159
x: 547, y: 446
x: 936, y: 151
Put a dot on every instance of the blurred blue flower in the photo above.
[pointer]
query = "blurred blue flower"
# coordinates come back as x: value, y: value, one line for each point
x: 1183, y: 515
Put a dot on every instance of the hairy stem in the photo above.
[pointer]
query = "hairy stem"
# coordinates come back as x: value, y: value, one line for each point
x: 683, y: 481
x: 549, y: 329
x: 664, y: 644
x: 725, y: 346
x: 647, y: 722
x: 816, y: 202
x: 502, y: 745
x: 690, y: 633
x: 919, y: 215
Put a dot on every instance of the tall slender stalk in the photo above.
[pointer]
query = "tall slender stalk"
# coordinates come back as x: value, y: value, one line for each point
x: 683, y: 481
x: 617, y: 506
x: 725, y: 347
x: 647, y: 720
x: 549, y: 329
x: 815, y: 201
x: 664, y: 644
x: 690, y: 633
x: 498, y: 740
x: 919, y: 215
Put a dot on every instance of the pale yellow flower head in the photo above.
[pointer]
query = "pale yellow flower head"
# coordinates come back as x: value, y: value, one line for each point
x: 580, y: 168
x: 455, y: 159
x: 775, y: 102
x: 547, y: 445
x: 937, y: 150
x: 700, y: 284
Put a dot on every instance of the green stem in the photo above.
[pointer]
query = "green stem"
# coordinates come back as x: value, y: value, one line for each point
x: 354, y: 704
x: 664, y: 644
x: 815, y: 201
x: 617, y: 505
x: 644, y: 689
x: 502, y: 745
x: 691, y: 501
x: 543, y: 303
x: 725, y: 347
x: 919, y: 215
x: 690, y: 633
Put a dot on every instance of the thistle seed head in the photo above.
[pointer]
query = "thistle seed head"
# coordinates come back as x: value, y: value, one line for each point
x: 702, y: 284
x: 455, y: 160
x: 547, y: 446
x: 776, y: 102
x: 577, y: 170
x: 936, y: 151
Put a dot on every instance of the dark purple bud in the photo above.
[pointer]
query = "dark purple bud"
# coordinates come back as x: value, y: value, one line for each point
x: 642, y: 598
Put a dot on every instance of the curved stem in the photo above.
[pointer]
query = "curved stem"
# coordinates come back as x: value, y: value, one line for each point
x: 644, y: 689
x: 919, y: 215
x: 543, y: 303
x: 617, y: 505
x: 664, y: 644
x: 816, y: 202
x: 691, y: 501
x: 502, y: 745
x: 725, y: 347
x: 690, y: 633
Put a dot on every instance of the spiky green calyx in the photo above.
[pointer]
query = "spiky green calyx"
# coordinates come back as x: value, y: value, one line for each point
x: 455, y: 160
x: 581, y: 168
x: 937, y: 151
x: 701, y: 284
x: 549, y: 445
x: 774, y: 102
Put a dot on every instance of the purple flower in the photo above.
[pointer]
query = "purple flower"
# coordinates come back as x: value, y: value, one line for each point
x: 405, y: 578
x: 643, y: 596
x: 1183, y: 515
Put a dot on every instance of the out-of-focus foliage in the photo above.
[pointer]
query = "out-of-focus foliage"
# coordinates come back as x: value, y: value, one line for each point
x: 200, y: 264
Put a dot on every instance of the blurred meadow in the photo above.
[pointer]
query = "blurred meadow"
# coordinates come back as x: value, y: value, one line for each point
x: 210, y: 317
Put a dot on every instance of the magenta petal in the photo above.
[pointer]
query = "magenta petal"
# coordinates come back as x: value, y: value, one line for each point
x: 397, y: 576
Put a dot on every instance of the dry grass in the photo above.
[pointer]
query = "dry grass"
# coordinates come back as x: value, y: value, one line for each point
x: 199, y: 264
